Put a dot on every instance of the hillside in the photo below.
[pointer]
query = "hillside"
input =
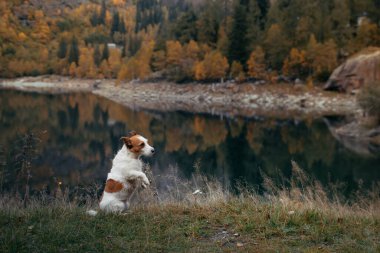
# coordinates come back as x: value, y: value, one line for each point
x: 183, y: 40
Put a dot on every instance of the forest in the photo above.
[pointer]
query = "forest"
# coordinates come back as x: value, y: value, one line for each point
x: 184, y: 40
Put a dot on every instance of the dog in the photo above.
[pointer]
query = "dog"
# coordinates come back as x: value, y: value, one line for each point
x: 126, y: 174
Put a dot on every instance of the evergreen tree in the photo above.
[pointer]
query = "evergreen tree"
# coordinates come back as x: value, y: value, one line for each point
x: 340, y: 19
x: 97, y: 56
x: 122, y: 28
x: 115, y: 23
x: 106, y: 53
x: 277, y: 46
x: 74, y: 51
x: 124, y: 50
x: 185, y: 28
x: 103, y: 11
x: 149, y: 12
x: 94, y: 19
x: 62, y: 49
x: 237, y: 50
x: 208, y: 24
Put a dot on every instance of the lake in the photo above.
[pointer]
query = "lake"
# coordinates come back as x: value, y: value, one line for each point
x: 77, y: 135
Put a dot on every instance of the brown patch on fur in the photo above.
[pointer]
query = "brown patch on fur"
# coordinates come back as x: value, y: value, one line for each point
x: 133, y: 143
x: 113, y: 186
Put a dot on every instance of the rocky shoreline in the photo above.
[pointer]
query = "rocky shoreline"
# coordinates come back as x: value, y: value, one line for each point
x: 227, y: 99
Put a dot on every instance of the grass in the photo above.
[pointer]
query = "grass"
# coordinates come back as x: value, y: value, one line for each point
x: 302, y: 217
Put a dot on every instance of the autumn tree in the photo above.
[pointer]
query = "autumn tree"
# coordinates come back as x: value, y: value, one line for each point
x: 237, y: 71
x: 213, y: 67
x: 86, y: 66
x: 321, y: 58
x: 256, y: 64
x: 174, y: 52
x: 295, y: 64
x: 41, y: 29
x: 139, y: 65
x: 114, y: 61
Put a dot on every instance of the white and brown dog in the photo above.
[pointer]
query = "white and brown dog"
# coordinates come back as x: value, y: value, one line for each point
x: 125, y: 175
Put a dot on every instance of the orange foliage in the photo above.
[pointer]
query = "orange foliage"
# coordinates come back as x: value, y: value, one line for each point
x: 174, y: 52
x: 256, y: 64
x: 295, y: 63
x: 214, y: 66
x: 139, y: 65
x: 237, y: 71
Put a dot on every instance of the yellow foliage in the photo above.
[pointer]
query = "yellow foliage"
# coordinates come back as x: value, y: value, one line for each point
x: 41, y: 29
x: 139, y: 65
x: 44, y: 55
x: 105, y: 69
x: 114, y: 61
x: 214, y: 66
x: 86, y: 64
x: 256, y: 64
x: 72, y: 69
x: 119, y: 3
x: 236, y: 69
x: 294, y: 63
x: 22, y: 36
x: 200, y: 72
x: 20, y: 67
x: 129, y: 18
x: 174, y: 52
x: 158, y: 60
x: 192, y: 50
x: 321, y: 57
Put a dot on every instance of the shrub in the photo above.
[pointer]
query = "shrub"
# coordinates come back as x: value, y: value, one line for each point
x: 369, y: 99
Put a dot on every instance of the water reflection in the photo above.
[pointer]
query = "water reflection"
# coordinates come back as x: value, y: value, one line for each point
x: 83, y: 131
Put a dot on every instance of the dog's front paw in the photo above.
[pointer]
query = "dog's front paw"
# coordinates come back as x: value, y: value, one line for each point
x: 145, y: 182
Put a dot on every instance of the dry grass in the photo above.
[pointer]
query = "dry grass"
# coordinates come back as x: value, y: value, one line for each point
x: 301, y: 216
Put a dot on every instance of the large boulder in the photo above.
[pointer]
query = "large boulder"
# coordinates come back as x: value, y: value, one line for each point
x: 360, y: 69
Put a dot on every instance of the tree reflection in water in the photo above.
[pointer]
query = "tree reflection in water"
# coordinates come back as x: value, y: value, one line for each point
x: 83, y: 131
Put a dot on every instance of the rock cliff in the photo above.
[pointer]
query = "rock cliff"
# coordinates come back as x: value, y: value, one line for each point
x: 360, y: 69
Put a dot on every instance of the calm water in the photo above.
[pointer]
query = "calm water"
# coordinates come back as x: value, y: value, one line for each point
x: 79, y: 134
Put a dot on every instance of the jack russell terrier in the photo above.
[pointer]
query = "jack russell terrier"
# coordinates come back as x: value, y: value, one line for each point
x: 125, y: 175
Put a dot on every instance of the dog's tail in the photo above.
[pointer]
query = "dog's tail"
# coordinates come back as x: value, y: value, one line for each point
x: 92, y: 212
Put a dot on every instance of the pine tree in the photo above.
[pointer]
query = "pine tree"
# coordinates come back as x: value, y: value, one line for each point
x: 276, y: 46
x: 185, y: 28
x: 122, y: 28
x: 103, y: 11
x: 74, y: 51
x: 115, y: 22
x: 237, y: 50
x: 97, y: 56
x: 106, y: 53
x: 62, y: 49
x: 340, y: 18
x: 94, y: 19
x: 208, y: 24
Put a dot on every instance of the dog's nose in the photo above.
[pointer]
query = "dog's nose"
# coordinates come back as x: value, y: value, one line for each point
x: 152, y: 151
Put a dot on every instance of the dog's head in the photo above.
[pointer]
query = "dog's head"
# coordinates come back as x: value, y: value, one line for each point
x: 137, y: 144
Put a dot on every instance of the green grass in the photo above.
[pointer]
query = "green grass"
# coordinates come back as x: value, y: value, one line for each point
x: 176, y: 228
x: 299, y: 218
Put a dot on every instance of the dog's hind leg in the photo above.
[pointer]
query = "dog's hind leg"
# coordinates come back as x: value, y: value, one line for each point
x: 115, y: 206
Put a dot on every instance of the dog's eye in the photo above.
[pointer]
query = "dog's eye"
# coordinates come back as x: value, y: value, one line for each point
x: 142, y: 144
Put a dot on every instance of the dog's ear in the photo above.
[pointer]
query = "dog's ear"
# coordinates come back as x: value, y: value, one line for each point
x: 132, y: 133
x: 127, y: 141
